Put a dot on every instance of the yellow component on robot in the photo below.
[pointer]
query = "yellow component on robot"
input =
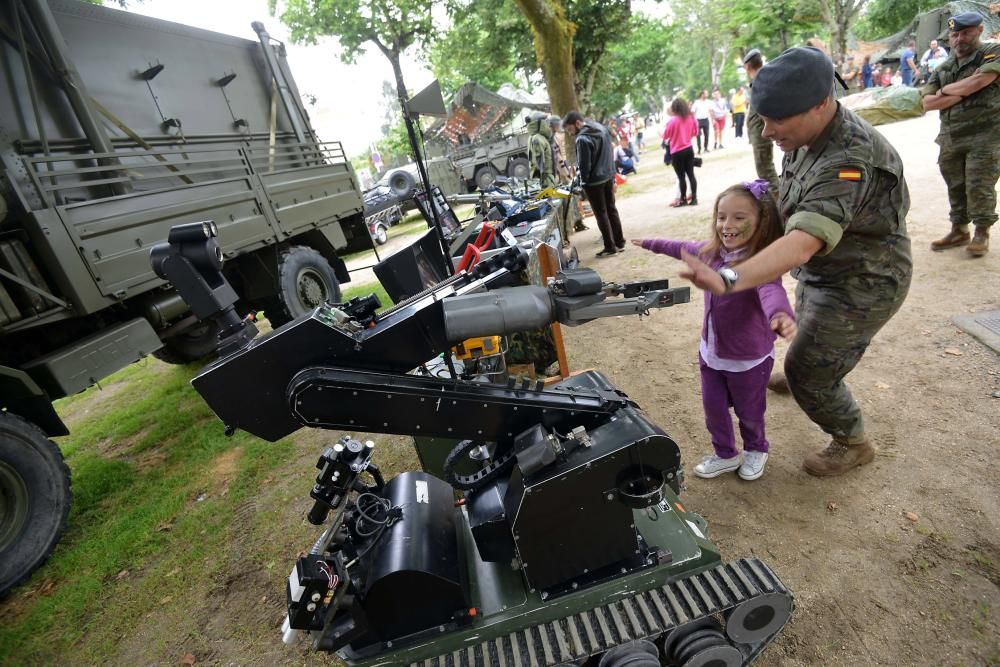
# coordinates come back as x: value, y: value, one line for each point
x: 473, y: 348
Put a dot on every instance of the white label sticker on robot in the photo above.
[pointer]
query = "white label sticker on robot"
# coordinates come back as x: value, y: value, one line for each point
x: 423, y: 493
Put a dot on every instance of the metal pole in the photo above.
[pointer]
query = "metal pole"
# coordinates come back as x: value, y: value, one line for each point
x: 55, y: 44
x: 288, y: 100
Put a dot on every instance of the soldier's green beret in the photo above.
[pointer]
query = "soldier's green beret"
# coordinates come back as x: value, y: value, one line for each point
x: 794, y: 82
x: 964, y: 20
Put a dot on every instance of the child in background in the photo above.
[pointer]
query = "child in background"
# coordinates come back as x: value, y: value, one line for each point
x: 737, y: 337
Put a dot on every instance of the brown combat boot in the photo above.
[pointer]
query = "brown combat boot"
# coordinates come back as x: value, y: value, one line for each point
x: 980, y: 242
x: 778, y: 383
x: 838, y: 458
x: 958, y: 236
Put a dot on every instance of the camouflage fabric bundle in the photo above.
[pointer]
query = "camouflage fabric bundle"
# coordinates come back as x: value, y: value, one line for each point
x: 885, y: 105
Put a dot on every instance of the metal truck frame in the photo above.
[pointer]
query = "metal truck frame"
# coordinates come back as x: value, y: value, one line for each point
x: 114, y: 128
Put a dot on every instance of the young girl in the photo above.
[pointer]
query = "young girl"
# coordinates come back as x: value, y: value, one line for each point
x: 737, y: 337
x: 680, y: 130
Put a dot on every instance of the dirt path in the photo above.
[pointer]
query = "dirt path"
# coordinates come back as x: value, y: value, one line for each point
x: 871, y: 585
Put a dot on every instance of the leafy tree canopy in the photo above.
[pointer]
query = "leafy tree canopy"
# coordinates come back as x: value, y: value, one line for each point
x: 489, y: 42
x: 391, y: 25
x: 887, y: 17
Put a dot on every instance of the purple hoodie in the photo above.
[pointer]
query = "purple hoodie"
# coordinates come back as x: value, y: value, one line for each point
x: 741, y: 320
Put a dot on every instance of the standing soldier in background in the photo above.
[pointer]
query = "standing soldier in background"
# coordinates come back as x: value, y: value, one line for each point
x: 966, y: 91
x: 763, y: 149
x: 541, y: 164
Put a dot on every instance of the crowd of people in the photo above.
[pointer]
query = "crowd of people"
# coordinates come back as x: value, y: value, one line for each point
x: 836, y: 221
x: 863, y: 74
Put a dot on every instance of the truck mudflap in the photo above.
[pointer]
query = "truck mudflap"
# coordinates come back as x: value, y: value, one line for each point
x: 746, y: 596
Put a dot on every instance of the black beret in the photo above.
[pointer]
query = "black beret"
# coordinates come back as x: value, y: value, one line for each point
x: 964, y: 20
x: 750, y: 54
x: 794, y: 82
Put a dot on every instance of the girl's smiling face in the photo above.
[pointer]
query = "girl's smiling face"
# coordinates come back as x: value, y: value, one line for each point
x: 736, y: 220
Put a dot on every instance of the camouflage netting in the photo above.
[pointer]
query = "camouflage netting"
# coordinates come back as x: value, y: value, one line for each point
x: 885, y: 105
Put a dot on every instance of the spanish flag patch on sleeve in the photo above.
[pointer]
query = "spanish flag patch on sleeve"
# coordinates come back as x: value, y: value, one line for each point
x: 849, y: 174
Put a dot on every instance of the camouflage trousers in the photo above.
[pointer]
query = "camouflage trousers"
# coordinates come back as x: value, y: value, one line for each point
x: 763, y: 159
x: 568, y: 215
x: 835, y: 329
x: 971, y: 173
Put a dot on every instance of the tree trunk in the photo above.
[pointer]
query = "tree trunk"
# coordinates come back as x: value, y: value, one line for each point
x: 553, y: 36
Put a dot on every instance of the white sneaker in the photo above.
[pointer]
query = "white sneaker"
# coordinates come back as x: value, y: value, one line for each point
x: 753, y: 465
x: 713, y: 466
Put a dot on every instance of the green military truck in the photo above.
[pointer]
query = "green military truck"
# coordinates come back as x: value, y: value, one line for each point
x: 114, y: 128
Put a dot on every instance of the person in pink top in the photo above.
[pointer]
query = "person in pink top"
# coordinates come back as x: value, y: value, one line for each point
x: 680, y: 130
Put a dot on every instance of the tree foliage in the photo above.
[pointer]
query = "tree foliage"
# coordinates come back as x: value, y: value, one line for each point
x: 887, y: 17
x: 392, y: 26
x: 489, y: 42
x: 639, y: 70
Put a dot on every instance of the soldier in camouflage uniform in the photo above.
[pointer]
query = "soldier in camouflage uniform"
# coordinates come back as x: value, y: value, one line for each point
x: 564, y: 172
x: 763, y: 149
x: 845, y: 201
x: 966, y: 91
x: 540, y: 160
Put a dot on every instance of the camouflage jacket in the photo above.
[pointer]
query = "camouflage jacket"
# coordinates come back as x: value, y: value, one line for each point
x: 848, y: 191
x: 755, y: 124
x: 975, y: 117
x: 541, y: 160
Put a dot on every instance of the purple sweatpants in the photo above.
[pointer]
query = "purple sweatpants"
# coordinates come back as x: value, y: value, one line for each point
x: 746, y: 393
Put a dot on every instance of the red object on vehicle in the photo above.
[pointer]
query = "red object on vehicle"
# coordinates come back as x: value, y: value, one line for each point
x: 473, y: 251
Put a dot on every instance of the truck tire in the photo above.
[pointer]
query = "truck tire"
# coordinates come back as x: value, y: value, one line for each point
x: 518, y: 168
x: 34, y: 499
x: 305, y: 280
x: 193, y: 344
x: 484, y: 177
x: 402, y: 184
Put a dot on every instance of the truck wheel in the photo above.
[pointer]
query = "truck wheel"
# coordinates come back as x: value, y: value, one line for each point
x: 402, y: 184
x: 305, y: 280
x: 34, y: 499
x: 518, y: 168
x: 484, y: 177
x: 381, y: 234
x: 193, y: 344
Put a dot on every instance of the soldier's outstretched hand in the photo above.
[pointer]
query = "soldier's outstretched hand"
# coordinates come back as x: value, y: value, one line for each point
x: 784, y: 325
x: 638, y: 242
x: 701, y: 274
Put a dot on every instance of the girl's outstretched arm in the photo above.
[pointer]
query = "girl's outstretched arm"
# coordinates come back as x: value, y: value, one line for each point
x: 669, y: 247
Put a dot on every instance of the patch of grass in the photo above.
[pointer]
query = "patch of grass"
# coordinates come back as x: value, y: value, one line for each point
x: 132, y: 520
x: 364, y: 289
x: 982, y: 559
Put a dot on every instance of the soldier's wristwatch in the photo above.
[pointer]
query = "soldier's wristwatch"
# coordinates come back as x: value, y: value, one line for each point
x: 729, y: 278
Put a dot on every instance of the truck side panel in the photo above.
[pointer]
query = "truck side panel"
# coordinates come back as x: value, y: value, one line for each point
x: 115, y: 235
